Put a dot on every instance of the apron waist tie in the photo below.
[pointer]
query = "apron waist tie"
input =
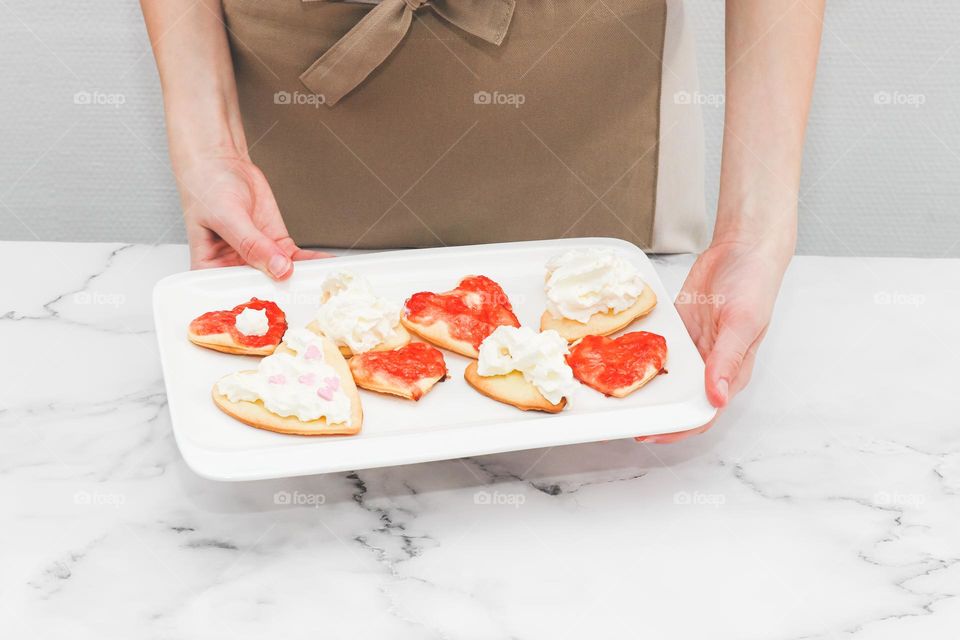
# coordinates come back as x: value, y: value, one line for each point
x: 371, y: 41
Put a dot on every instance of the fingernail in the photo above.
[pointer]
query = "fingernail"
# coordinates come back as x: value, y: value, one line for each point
x: 723, y: 388
x: 279, y: 265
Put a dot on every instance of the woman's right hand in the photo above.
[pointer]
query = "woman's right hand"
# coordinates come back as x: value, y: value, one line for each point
x: 232, y: 218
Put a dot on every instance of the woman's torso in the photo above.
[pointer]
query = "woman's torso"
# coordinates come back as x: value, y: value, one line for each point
x: 572, y: 126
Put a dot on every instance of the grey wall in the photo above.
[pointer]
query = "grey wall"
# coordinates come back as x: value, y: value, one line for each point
x: 880, y: 177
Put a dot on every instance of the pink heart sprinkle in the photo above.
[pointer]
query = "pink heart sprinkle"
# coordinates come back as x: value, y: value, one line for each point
x: 307, y: 378
x: 326, y: 393
x: 277, y: 379
x: 330, y: 385
x: 313, y: 353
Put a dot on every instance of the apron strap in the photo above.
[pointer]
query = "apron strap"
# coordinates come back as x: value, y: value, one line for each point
x: 364, y: 48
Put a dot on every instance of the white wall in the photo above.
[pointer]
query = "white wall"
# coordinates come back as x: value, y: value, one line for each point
x: 879, y: 179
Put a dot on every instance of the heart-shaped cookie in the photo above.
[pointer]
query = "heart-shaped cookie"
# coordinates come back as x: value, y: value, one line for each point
x: 513, y: 389
x: 618, y: 367
x: 409, y: 372
x: 523, y: 368
x: 253, y: 328
x: 460, y: 319
x: 303, y: 388
x: 601, y: 324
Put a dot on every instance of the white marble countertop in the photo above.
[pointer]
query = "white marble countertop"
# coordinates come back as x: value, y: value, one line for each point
x: 824, y: 504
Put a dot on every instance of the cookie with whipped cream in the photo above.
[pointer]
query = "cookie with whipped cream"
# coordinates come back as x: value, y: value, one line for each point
x: 593, y: 292
x: 355, y: 318
x: 303, y: 388
x: 253, y: 328
x: 523, y: 368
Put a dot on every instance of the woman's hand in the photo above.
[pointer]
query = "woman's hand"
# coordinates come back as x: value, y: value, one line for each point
x: 726, y: 303
x: 229, y: 209
x: 233, y: 219
x: 727, y: 299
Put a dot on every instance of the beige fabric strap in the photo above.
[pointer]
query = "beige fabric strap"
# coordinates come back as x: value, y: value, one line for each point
x: 364, y: 48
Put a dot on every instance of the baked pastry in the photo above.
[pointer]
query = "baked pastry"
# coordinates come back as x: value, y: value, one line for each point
x: 618, y: 367
x: 409, y: 372
x: 593, y: 292
x: 460, y: 319
x: 355, y: 318
x: 523, y: 368
x: 253, y: 328
x: 304, y: 388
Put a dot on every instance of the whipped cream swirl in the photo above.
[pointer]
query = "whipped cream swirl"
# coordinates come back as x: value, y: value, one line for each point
x: 538, y: 356
x: 253, y: 322
x: 300, y: 384
x: 583, y: 282
x: 353, y: 315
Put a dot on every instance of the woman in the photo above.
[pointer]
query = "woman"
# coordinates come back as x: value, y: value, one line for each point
x: 411, y: 123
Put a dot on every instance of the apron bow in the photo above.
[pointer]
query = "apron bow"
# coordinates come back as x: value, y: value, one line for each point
x: 371, y: 41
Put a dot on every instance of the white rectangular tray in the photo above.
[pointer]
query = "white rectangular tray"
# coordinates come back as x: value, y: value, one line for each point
x: 452, y: 420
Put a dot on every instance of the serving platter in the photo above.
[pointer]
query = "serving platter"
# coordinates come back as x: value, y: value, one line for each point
x: 451, y: 421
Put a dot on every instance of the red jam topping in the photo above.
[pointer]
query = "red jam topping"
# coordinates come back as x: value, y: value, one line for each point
x: 606, y: 364
x: 472, y: 311
x: 226, y: 322
x: 409, y: 364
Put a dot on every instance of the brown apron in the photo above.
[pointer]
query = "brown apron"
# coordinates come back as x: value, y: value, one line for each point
x: 410, y: 124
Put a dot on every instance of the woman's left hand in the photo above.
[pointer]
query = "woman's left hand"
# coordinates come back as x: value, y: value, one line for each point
x: 726, y: 303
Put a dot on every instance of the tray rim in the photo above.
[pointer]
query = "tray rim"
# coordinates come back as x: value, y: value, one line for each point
x: 202, y: 460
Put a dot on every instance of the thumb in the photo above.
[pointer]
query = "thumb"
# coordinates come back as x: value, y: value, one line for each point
x: 253, y: 246
x: 724, y: 363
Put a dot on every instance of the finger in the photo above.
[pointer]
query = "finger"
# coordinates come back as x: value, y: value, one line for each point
x: 668, y: 438
x: 746, y: 371
x: 309, y: 254
x: 690, y: 316
x: 206, y: 248
x: 724, y: 361
x: 296, y: 254
x: 255, y: 248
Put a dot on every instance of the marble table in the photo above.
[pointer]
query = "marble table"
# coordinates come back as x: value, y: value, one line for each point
x: 824, y: 504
